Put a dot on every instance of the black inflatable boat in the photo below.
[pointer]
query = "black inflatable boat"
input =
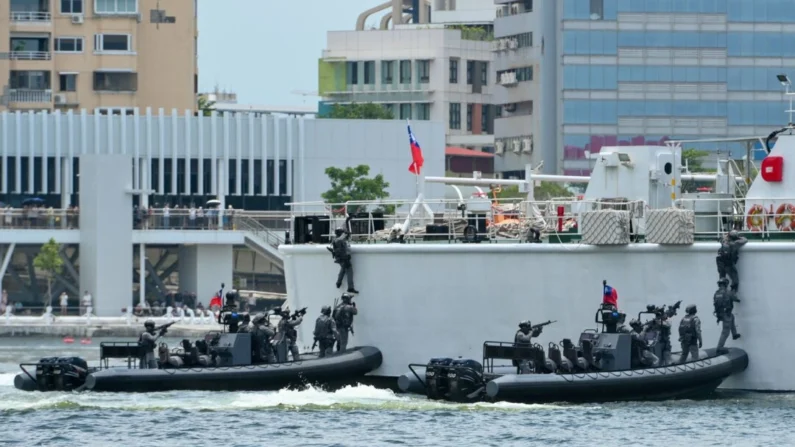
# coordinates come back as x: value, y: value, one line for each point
x: 605, y: 366
x: 233, y: 371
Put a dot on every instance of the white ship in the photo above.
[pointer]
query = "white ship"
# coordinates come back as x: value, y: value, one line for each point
x: 437, y: 295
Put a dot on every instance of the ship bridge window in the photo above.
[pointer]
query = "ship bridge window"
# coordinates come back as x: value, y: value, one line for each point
x: 623, y: 158
x: 668, y: 168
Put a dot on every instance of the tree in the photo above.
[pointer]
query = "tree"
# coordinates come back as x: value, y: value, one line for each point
x: 354, y: 184
x: 49, y: 259
x: 206, y: 106
x: 359, y: 111
x: 692, y: 158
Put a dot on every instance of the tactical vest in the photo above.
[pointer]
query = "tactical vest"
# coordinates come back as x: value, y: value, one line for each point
x: 147, y: 345
x: 687, y: 328
x: 288, y: 330
x: 343, y: 316
x: 721, y: 302
x: 519, y: 340
x: 323, y: 327
x: 340, y: 247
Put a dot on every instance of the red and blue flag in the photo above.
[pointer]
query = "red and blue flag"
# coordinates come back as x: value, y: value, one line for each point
x: 610, y: 296
x: 416, y: 154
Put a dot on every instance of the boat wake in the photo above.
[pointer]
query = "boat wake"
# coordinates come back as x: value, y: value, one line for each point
x: 360, y: 397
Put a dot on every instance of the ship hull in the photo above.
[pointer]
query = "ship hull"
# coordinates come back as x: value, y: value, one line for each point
x: 418, y: 300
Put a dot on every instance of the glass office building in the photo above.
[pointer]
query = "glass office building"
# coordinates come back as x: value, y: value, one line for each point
x: 642, y: 72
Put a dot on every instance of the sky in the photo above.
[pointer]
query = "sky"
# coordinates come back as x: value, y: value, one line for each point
x: 265, y: 49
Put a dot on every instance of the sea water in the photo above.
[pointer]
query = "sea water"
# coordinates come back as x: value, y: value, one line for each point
x: 362, y: 416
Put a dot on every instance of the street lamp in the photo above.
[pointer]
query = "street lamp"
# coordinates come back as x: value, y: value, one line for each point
x: 785, y: 82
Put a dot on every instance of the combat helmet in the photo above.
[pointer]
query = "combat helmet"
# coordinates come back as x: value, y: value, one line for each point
x: 346, y: 297
x: 325, y: 310
x: 691, y: 309
x: 149, y: 324
x: 734, y: 235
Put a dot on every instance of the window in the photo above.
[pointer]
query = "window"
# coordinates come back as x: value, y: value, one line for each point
x: 116, y: 6
x: 119, y: 43
x: 597, y: 9
x: 390, y: 108
x: 423, y: 111
x: 470, y: 69
x: 109, y: 81
x: 352, y: 73
x: 405, y: 111
x: 67, y: 82
x: 424, y: 71
x: 128, y: 111
x: 484, y: 118
x: 29, y: 80
x: 455, y: 115
x: 469, y: 117
x: 387, y: 72
x: 71, y: 6
x: 369, y: 72
x: 454, y: 71
x: 405, y: 72
x: 484, y: 73
x: 68, y: 44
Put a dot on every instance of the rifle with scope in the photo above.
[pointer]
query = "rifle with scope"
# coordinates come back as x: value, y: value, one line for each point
x: 540, y: 325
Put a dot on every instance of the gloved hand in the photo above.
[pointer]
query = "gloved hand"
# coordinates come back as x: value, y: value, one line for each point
x: 163, y: 331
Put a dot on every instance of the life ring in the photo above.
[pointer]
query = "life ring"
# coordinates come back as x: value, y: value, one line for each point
x: 755, y: 219
x: 784, y: 213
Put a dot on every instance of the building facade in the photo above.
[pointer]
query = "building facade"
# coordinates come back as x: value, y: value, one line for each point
x: 639, y: 72
x: 439, y: 71
x: 246, y: 161
x: 106, y: 56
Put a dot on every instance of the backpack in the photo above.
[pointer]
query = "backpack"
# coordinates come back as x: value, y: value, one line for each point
x: 720, y: 301
x: 687, y: 327
x: 342, y: 316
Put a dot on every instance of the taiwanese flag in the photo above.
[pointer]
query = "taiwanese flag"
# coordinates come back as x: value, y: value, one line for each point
x: 216, y: 301
x: 416, y: 154
x: 610, y: 296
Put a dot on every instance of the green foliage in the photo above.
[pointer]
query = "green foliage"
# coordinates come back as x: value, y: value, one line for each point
x: 360, y: 111
x: 474, y: 32
x: 692, y: 158
x: 49, y: 259
x: 546, y: 191
x: 206, y: 106
x: 350, y: 184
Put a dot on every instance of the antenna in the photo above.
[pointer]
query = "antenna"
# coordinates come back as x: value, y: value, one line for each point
x: 784, y: 80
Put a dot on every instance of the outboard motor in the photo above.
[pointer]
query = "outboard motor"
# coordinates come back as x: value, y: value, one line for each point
x: 73, y: 371
x: 465, y: 380
x: 436, y: 379
x: 45, y: 379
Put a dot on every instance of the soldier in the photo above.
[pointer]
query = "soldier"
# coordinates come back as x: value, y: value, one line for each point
x: 325, y: 332
x: 343, y: 316
x: 260, y: 340
x: 728, y: 254
x: 524, y: 339
x: 640, y: 348
x: 245, y: 325
x: 724, y: 305
x: 148, y: 341
x: 341, y: 251
x: 287, y: 331
x: 690, y: 334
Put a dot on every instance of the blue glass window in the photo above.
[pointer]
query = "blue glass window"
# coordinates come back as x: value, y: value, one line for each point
x: 775, y: 11
x: 593, y: 77
x: 682, y: 6
x: 757, y: 44
x: 589, y: 42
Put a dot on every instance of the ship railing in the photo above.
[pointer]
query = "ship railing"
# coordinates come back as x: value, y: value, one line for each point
x: 769, y: 218
x: 444, y: 220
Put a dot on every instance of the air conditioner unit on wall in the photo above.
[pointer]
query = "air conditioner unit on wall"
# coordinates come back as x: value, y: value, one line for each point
x: 527, y: 145
x: 499, y: 147
x: 510, y: 107
x: 513, y: 44
x: 515, y: 8
x: 77, y: 19
x: 517, y: 146
x: 59, y: 99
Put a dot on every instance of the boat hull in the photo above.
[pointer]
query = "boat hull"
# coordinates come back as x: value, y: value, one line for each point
x: 689, y: 380
x: 336, y: 370
x: 419, y: 300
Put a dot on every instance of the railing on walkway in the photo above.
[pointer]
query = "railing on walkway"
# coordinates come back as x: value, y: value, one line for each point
x: 38, y: 219
x: 30, y: 16
x: 510, y: 220
x: 51, y: 317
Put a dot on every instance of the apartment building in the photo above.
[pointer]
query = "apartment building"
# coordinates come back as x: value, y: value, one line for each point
x: 423, y: 70
x: 620, y: 72
x: 106, y: 56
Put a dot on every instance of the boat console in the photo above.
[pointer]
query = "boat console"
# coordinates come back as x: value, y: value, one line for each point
x: 233, y: 349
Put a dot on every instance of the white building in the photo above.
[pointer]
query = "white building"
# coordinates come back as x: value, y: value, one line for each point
x: 420, y: 71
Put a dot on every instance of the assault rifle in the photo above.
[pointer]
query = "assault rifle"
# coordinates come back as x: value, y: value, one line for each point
x: 297, y: 313
x: 164, y: 327
x: 540, y: 325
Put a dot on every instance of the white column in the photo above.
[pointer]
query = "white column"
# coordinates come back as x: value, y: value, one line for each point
x: 142, y: 274
x: 66, y: 177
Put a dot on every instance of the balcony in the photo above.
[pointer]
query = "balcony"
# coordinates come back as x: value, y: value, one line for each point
x: 29, y: 96
x: 27, y: 56
x: 31, y: 17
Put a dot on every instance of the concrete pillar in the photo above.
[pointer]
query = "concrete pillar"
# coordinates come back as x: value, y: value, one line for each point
x: 106, y: 262
x: 202, y: 269
x: 142, y: 274
x: 143, y: 171
x: 223, y: 184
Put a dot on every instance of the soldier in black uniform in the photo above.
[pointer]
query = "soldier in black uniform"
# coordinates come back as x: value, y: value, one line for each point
x: 343, y: 316
x: 148, y: 341
x: 287, y: 331
x: 261, y: 339
x: 728, y: 255
x: 690, y: 334
x: 325, y: 331
x: 524, y: 338
x: 724, y: 306
x: 341, y: 251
